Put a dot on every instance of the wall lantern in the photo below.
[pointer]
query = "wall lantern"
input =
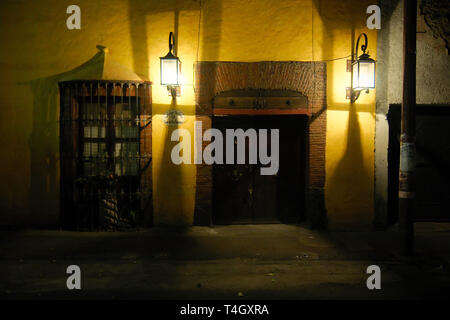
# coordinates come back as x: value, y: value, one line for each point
x: 171, y: 69
x: 363, y: 72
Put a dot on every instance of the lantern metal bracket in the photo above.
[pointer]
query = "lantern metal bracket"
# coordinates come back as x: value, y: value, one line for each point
x: 174, y: 91
x: 352, y: 94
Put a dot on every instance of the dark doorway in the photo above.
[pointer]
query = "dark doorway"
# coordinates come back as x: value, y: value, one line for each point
x: 242, y: 195
x: 432, y: 163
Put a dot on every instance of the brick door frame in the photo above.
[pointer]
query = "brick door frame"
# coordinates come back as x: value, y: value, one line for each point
x: 306, y: 78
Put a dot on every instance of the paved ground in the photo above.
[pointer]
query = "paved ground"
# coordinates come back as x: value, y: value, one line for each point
x: 232, y: 262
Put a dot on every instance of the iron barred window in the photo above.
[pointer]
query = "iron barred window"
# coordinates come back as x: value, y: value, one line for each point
x: 105, y: 146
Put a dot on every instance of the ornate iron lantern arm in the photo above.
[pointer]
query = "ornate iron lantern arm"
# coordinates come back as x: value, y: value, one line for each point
x: 172, y: 87
x: 353, y: 94
x: 363, y: 46
x: 171, y: 42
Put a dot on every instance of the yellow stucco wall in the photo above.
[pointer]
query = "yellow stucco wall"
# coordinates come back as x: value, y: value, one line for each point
x: 37, y: 45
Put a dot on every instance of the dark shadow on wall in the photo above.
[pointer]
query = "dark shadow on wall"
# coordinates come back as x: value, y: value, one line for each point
x: 347, y: 177
x: 344, y: 182
x: 169, y: 175
x: 138, y: 34
x: 44, y: 143
x: 138, y: 12
x: 169, y: 178
x: 167, y: 181
x: 44, y: 153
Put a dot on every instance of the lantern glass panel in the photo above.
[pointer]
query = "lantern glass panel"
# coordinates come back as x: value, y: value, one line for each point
x: 364, y: 74
x: 169, y: 71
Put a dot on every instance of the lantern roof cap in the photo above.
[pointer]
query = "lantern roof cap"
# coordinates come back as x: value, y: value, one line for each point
x: 102, y: 67
x: 365, y: 57
x: 169, y: 56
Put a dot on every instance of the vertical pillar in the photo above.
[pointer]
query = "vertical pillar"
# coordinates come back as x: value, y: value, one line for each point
x: 407, y: 140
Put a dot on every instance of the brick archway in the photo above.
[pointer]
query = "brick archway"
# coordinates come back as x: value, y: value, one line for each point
x: 306, y: 78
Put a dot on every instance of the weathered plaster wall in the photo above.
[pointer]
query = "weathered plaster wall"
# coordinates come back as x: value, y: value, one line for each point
x: 39, y: 46
x: 432, y: 83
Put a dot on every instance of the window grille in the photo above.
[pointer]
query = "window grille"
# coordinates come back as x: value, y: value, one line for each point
x: 105, y: 149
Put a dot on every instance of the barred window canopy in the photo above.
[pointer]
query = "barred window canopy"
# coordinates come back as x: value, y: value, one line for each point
x: 105, y: 146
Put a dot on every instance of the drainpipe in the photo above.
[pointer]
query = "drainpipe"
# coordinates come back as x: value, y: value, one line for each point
x: 407, y: 140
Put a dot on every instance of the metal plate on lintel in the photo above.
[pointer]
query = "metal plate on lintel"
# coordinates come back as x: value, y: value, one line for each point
x: 261, y: 99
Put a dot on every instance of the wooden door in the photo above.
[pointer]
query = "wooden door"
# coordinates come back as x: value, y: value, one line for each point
x: 232, y: 195
x: 242, y: 195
